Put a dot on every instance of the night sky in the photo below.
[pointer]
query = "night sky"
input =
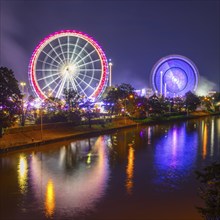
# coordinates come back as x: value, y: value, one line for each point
x: 134, y: 34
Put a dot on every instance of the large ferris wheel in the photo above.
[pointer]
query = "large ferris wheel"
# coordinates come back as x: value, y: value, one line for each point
x: 68, y: 60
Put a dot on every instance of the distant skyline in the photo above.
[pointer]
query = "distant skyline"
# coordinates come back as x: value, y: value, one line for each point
x: 133, y: 34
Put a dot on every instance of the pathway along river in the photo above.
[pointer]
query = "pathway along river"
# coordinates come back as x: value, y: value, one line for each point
x: 139, y: 173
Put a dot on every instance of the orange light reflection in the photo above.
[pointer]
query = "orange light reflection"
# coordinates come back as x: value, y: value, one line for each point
x: 204, y: 149
x: 50, y: 199
x: 130, y: 170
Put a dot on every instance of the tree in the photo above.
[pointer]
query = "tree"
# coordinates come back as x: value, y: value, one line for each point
x: 125, y: 90
x: 178, y: 104
x: 72, y: 98
x: 10, y: 98
x: 111, y: 101
x: 216, y: 97
x: 52, y: 105
x: 209, y: 191
x: 191, y: 101
x: 155, y: 106
x: 141, y: 107
x: 88, y: 105
x: 119, y: 97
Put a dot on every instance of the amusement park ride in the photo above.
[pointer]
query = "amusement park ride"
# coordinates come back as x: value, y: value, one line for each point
x: 72, y: 60
x: 68, y: 59
x: 174, y: 75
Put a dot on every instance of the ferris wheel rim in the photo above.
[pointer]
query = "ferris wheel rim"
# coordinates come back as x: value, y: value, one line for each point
x: 102, y: 81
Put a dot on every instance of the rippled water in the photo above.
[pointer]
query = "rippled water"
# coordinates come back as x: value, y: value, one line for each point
x: 139, y: 173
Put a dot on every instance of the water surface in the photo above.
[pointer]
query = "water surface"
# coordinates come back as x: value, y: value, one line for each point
x: 139, y: 173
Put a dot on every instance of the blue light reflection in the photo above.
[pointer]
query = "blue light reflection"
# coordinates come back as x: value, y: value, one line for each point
x: 175, y: 154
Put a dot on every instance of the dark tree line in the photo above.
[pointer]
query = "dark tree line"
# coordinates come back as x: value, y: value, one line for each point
x: 10, y: 99
x: 120, y: 100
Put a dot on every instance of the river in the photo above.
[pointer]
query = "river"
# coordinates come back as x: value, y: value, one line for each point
x: 146, y: 172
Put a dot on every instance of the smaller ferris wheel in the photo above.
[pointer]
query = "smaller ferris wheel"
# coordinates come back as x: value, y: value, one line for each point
x: 174, y: 75
x: 68, y: 60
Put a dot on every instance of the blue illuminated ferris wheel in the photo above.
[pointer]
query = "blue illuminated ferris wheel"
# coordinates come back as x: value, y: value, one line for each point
x: 174, y: 75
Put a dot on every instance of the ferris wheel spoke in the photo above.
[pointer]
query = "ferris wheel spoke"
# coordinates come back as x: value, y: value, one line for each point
x: 81, y: 89
x: 61, y: 47
x: 61, y: 87
x: 75, y: 46
x: 82, y: 49
x: 42, y: 61
x: 91, y: 77
x: 54, y: 89
x: 45, y: 70
x: 50, y: 83
x: 89, y: 62
x: 85, y: 57
x: 88, y: 85
x: 56, y: 53
x: 51, y: 57
x: 68, y: 48
x: 90, y: 69
x: 46, y: 77
x: 73, y: 84
x: 67, y: 85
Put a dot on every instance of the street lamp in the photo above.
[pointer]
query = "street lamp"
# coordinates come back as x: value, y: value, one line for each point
x: 110, y: 72
x: 39, y: 107
x: 22, y: 84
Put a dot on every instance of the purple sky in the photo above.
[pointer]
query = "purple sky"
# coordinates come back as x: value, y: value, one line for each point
x: 134, y: 34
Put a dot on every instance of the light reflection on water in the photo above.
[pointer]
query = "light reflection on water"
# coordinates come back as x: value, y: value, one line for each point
x: 204, y: 148
x: 130, y: 169
x: 77, y: 189
x: 107, y: 175
x: 22, y: 173
x: 175, y: 154
x: 50, y: 199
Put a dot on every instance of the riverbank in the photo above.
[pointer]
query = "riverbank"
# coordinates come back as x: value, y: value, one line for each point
x: 33, y: 136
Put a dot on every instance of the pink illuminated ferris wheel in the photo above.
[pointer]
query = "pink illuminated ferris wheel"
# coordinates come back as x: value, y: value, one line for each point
x: 68, y: 60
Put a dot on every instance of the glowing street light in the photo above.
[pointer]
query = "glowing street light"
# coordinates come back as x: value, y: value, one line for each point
x: 22, y: 84
x: 110, y: 72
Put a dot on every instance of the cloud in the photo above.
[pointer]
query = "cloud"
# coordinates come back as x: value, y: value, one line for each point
x: 205, y: 86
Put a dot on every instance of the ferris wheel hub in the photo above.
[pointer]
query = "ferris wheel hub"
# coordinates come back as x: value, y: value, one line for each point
x: 69, y: 69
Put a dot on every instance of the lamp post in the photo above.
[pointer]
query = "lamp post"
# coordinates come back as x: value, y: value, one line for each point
x: 39, y: 108
x: 110, y: 72
x: 22, y: 84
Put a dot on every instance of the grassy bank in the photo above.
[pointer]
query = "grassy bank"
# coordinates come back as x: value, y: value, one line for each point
x: 31, y: 136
